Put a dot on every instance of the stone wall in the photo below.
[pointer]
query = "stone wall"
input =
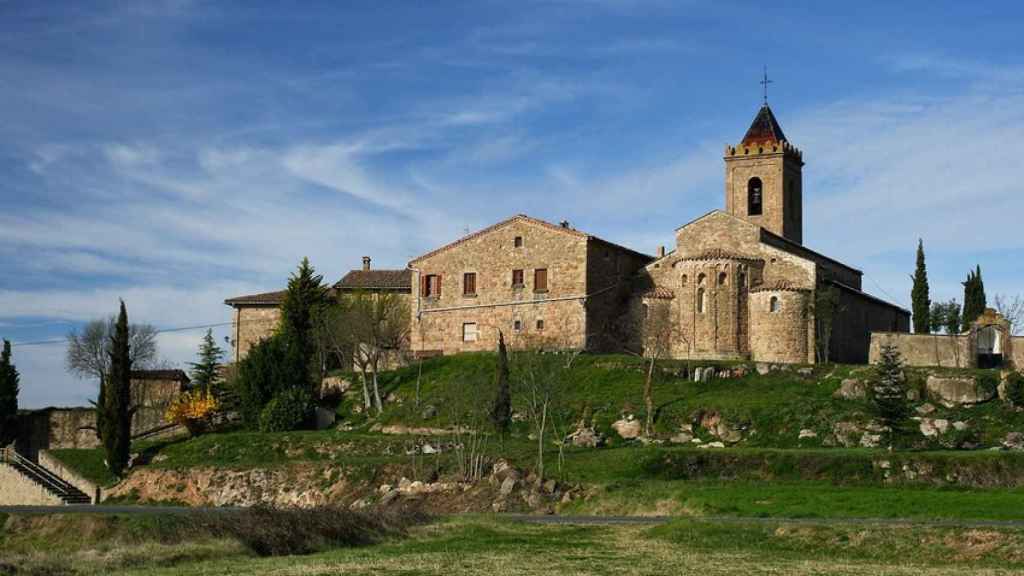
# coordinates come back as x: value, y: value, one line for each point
x: 252, y: 324
x: 780, y: 176
x: 1018, y: 352
x: 17, y: 490
x: 924, y: 349
x: 557, y: 315
x: 48, y: 461
x: 781, y: 333
x: 56, y: 428
x: 609, y: 271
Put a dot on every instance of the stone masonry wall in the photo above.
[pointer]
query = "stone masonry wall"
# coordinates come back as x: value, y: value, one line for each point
x: 48, y: 461
x: 497, y: 305
x: 1018, y: 352
x: 923, y: 349
x: 609, y: 270
x: 252, y: 324
x: 855, y: 320
x: 781, y: 335
x: 17, y: 490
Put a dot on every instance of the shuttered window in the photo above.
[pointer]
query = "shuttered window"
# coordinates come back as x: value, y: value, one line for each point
x: 517, y: 278
x: 469, y: 332
x: 469, y: 284
x: 431, y: 286
x: 540, y: 280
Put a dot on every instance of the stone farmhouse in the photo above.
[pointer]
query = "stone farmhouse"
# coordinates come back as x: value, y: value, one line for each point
x: 739, y: 283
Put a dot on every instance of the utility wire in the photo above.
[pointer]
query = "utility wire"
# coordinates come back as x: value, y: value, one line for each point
x: 164, y: 331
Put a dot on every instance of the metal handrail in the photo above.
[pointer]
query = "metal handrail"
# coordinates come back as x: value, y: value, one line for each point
x: 55, y: 482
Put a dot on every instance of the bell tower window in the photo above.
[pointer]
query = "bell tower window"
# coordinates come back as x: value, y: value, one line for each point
x: 755, y: 197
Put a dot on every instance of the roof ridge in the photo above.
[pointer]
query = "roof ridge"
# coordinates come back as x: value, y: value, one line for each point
x: 495, y: 226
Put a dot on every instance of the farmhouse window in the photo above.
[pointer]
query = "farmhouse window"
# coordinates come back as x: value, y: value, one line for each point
x: 540, y: 280
x: 469, y: 284
x: 517, y: 278
x: 431, y: 287
x: 540, y: 324
x: 469, y: 332
x: 518, y: 242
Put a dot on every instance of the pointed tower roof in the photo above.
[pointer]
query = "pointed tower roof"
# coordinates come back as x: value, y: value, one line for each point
x: 765, y: 128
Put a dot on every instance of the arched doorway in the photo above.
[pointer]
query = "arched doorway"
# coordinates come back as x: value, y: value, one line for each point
x: 989, y: 347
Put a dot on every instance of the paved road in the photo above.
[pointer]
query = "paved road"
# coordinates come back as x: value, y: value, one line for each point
x: 560, y: 520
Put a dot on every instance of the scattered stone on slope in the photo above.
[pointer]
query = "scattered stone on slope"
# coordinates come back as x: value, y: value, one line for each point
x: 925, y: 408
x: 852, y: 389
x: 954, y: 391
x: 628, y: 427
x: 1014, y: 441
x: 807, y: 433
x: 586, y: 437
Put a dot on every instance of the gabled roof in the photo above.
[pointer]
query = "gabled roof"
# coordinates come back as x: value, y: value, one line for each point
x: 528, y: 220
x: 376, y: 280
x: 266, y: 298
x: 765, y: 128
x: 177, y: 375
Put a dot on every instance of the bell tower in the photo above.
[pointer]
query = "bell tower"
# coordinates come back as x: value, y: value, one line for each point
x: 764, y: 178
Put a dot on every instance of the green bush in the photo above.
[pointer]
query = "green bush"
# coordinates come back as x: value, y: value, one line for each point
x: 286, y: 411
x: 988, y: 381
x: 272, y: 366
x: 1015, y: 388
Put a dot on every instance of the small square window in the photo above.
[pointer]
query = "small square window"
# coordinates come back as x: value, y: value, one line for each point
x: 540, y: 324
x: 518, y: 242
x: 517, y: 325
x: 469, y: 332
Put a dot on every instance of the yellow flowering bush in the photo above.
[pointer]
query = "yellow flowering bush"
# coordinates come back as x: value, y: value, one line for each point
x: 194, y: 410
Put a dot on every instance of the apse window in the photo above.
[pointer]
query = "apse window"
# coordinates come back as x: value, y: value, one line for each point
x: 469, y: 332
x: 701, y: 296
x: 774, y: 305
x: 754, y: 197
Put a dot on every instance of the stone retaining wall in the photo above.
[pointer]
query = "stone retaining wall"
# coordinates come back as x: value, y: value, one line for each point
x: 51, y: 463
x: 17, y: 490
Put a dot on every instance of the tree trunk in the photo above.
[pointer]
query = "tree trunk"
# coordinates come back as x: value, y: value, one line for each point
x: 540, y: 440
x: 367, y: 404
x: 376, y: 393
x: 649, y: 398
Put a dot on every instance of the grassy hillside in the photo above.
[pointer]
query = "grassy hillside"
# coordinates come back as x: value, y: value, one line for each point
x: 770, y: 410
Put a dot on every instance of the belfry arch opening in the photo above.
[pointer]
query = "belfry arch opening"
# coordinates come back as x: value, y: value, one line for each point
x: 755, y: 197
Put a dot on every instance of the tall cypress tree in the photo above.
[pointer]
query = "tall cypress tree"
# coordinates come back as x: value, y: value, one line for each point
x: 974, y: 299
x: 501, y: 412
x: 305, y: 297
x: 8, y: 397
x: 919, y: 294
x: 115, y: 399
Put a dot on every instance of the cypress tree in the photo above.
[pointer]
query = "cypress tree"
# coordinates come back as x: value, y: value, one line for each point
x: 501, y: 412
x: 974, y: 299
x: 919, y: 294
x: 115, y: 399
x: 204, y: 372
x: 305, y: 297
x: 8, y: 396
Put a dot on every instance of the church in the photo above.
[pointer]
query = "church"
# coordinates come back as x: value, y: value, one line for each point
x: 738, y: 285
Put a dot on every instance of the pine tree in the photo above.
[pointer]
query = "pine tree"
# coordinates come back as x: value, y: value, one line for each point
x: 8, y: 396
x: 204, y: 373
x: 919, y: 294
x: 305, y: 297
x: 501, y: 412
x: 114, y: 411
x: 889, y: 394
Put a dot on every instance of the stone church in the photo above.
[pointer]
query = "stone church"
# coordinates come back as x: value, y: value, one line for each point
x: 739, y: 283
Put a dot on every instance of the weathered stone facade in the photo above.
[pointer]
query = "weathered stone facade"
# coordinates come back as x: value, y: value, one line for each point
x: 254, y: 322
x: 531, y: 280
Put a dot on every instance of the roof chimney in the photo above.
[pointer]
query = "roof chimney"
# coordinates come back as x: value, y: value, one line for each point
x: 366, y: 263
x: 661, y: 251
x: 564, y: 223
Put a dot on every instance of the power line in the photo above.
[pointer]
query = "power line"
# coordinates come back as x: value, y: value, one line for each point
x: 164, y: 331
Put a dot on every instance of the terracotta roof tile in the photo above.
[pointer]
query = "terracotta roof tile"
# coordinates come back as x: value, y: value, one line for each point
x: 376, y: 280
x: 255, y: 299
x: 765, y: 128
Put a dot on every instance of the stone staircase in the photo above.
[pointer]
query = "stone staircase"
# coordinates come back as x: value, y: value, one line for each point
x: 43, y: 477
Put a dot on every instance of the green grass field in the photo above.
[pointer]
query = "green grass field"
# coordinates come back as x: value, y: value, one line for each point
x: 482, y: 545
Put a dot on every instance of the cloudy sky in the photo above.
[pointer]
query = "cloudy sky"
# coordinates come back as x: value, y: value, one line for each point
x: 178, y: 153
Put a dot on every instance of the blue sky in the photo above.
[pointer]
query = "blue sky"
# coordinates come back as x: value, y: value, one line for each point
x: 178, y: 153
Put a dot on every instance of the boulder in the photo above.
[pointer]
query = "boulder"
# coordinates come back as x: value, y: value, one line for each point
x: 951, y: 392
x: 1014, y: 441
x: 807, y: 433
x: 762, y: 368
x: 960, y: 426
x: 847, y: 433
x: 806, y: 371
x: 586, y: 437
x: 428, y: 449
x: 681, y: 438
x: 429, y: 412
x: 628, y: 427
x: 508, y: 486
x: 713, y: 445
x: 925, y: 408
x: 931, y: 427
x: 389, y: 497
x: 852, y: 389
x: 870, y: 440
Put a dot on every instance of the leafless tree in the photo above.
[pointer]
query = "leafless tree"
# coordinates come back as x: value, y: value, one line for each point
x: 88, y: 354
x: 659, y: 333
x: 1013, y: 310
x: 539, y: 376
x: 367, y: 331
x: 824, y: 307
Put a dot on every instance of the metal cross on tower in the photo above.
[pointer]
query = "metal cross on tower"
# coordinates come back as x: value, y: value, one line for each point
x: 765, y: 82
